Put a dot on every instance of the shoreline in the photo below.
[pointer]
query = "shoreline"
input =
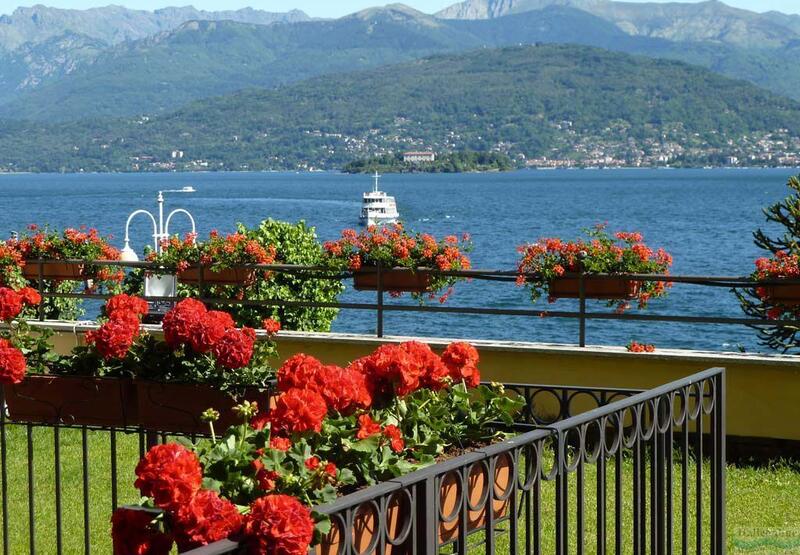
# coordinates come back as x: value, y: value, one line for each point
x: 481, y: 172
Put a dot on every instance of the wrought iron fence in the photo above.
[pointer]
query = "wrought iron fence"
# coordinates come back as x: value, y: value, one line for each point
x: 625, y: 477
x: 380, y: 307
x: 59, y: 482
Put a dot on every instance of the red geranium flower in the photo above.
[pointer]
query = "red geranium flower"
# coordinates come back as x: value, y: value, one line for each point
x: 13, y: 365
x: 114, y: 338
x: 393, y: 368
x: 126, y: 303
x: 209, y: 329
x: 330, y: 469
x: 206, y: 519
x: 180, y: 322
x: 170, y: 474
x: 462, y: 360
x: 235, y: 349
x: 278, y: 525
x: 367, y: 427
x: 267, y: 479
x: 312, y: 463
x: 10, y: 304
x: 298, y: 410
x: 133, y: 533
x: 280, y: 443
x: 298, y: 371
x: 395, y: 437
x: 271, y: 326
x: 344, y: 390
x: 30, y: 296
x: 431, y: 368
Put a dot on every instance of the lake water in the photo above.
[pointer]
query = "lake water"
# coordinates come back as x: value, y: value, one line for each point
x: 705, y: 218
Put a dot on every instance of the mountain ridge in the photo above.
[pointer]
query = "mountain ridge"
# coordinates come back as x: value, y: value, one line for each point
x: 115, y: 24
x: 547, y: 100
x: 710, y: 20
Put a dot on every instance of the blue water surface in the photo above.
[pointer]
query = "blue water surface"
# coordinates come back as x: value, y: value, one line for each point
x: 705, y: 218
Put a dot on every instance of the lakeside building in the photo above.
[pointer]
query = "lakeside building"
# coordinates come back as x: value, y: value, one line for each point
x: 417, y: 157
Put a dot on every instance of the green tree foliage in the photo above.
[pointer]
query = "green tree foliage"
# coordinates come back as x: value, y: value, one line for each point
x: 785, y: 214
x: 295, y: 244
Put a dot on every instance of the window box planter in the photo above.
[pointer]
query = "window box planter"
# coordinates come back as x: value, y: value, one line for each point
x: 176, y: 407
x: 61, y: 271
x: 228, y: 276
x: 393, y: 279
x: 73, y: 400
x: 594, y: 288
x: 787, y: 295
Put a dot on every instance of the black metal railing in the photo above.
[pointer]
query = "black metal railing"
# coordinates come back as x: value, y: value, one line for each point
x: 380, y: 307
x: 59, y: 482
x: 626, y: 477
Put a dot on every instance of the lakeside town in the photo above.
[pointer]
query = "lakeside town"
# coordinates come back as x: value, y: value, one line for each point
x: 613, y: 148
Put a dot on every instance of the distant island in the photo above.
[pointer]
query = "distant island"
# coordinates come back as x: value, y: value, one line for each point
x: 428, y: 162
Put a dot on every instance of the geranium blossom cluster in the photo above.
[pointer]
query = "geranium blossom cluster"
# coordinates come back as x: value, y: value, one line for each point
x: 636, y: 347
x: 13, y: 364
x: 172, y: 476
x: 191, y: 325
x: 330, y: 426
x: 311, y: 390
x: 624, y: 253
x: 10, y: 263
x: 114, y: 338
x: 218, y: 252
x: 394, y: 247
x: 83, y: 243
x: 783, y: 265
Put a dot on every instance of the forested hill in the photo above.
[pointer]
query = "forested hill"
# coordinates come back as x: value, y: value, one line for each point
x: 527, y: 101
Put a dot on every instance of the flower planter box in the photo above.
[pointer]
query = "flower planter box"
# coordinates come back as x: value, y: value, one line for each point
x: 228, y: 276
x: 787, y: 295
x: 72, y: 400
x: 62, y: 271
x: 393, y: 279
x: 176, y: 407
x: 594, y: 288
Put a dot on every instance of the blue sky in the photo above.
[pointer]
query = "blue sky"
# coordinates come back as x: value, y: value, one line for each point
x: 328, y: 8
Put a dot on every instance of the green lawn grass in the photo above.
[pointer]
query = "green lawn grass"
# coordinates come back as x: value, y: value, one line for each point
x: 762, y: 509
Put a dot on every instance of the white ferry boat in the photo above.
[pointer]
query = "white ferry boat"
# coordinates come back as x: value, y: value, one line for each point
x: 378, y: 208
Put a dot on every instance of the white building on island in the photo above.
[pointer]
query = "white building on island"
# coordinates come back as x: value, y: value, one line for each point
x: 417, y: 157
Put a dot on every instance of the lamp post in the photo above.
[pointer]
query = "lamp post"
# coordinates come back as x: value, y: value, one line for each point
x: 157, y: 285
x: 160, y: 227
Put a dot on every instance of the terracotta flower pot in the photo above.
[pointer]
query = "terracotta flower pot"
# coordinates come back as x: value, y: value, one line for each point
x: 450, y: 498
x: 594, y: 288
x: 73, y: 400
x: 228, y: 276
x: 176, y: 407
x: 365, y: 535
x: 393, y: 279
x: 61, y: 271
x: 787, y: 295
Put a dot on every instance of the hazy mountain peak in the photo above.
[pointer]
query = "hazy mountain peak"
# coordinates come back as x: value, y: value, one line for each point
x: 114, y: 24
x: 400, y: 13
x: 711, y: 20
